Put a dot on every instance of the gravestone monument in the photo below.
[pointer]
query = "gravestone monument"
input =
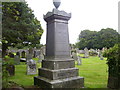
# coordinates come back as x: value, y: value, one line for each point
x: 31, y: 51
x: 79, y: 61
x: 28, y: 57
x: 99, y: 52
x: 74, y: 55
x: 31, y: 67
x: 17, y: 60
x: 41, y: 57
x: 58, y: 69
x: 86, y: 55
x: 101, y: 56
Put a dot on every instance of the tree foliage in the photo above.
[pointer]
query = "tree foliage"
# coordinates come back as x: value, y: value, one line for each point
x: 19, y: 25
x: 93, y: 39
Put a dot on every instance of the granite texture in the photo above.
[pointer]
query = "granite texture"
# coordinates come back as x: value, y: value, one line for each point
x: 58, y: 69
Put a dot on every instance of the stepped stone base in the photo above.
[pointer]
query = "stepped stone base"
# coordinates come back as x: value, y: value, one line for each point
x: 58, y: 74
x: 73, y: 82
x: 58, y: 64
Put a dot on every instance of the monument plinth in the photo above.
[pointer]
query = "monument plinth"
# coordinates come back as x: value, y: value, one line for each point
x: 58, y: 69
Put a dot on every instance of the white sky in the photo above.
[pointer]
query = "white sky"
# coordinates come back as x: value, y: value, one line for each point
x: 86, y: 14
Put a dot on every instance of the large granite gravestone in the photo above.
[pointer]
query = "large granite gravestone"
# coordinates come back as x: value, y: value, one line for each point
x: 58, y: 69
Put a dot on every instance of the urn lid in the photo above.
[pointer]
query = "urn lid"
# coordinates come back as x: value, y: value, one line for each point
x: 56, y: 3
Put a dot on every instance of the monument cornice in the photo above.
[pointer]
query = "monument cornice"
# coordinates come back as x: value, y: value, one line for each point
x: 56, y: 14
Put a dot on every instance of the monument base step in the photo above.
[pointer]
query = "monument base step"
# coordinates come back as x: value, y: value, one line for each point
x: 73, y: 82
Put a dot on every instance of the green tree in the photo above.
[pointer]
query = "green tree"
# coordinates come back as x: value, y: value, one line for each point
x: 108, y: 37
x: 19, y: 25
x: 92, y: 39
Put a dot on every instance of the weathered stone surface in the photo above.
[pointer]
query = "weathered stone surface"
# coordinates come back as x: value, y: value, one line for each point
x: 73, y: 82
x: 57, y: 44
x: 31, y: 67
x: 58, y: 74
x: 58, y: 64
x: 58, y: 69
x: 17, y: 60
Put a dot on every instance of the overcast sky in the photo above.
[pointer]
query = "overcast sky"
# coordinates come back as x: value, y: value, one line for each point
x: 86, y: 14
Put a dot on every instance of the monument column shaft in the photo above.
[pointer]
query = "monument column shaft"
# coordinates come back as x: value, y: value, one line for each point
x: 57, y: 41
x: 58, y: 69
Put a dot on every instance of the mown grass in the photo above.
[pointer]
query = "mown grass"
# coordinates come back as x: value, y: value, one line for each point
x: 21, y: 76
x: 92, y: 69
x: 94, y: 72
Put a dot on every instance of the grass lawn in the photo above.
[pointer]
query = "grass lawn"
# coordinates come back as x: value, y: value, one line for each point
x: 94, y: 72
x: 92, y: 69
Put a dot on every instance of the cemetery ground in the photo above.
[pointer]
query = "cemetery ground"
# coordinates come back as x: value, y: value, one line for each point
x: 92, y: 69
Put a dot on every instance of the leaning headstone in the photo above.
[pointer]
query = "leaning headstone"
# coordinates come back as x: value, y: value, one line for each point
x: 31, y: 67
x: 17, y: 60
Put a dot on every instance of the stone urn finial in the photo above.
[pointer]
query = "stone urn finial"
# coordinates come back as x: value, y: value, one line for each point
x: 56, y: 3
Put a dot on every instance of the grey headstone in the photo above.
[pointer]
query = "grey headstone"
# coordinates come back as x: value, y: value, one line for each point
x: 74, y: 55
x: 17, y: 59
x: 86, y: 55
x: 58, y: 68
x: 31, y: 67
x: 28, y: 57
x: 101, y: 56
x: 31, y: 51
x: 79, y: 61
